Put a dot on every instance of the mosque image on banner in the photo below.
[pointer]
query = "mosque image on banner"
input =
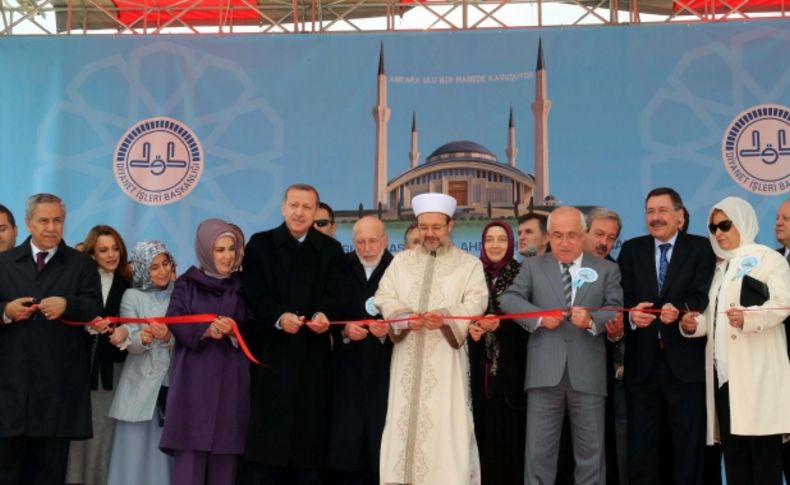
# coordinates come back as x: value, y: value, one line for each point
x: 466, y: 170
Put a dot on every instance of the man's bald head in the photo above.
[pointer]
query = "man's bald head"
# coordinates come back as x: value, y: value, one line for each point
x: 370, y: 239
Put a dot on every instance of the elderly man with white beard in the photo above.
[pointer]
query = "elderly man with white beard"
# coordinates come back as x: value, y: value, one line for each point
x: 360, y: 364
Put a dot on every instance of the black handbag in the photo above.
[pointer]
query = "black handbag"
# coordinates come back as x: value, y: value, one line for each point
x: 753, y: 292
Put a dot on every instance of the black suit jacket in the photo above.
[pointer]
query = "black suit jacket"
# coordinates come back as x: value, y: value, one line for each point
x: 787, y: 320
x: 43, y: 370
x: 290, y: 399
x: 102, y: 355
x: 686, y: 286
x: 360, y: 379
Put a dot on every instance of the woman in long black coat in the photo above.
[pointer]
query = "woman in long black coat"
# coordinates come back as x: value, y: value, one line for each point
x: 497, y: 355
x: 89, y: 460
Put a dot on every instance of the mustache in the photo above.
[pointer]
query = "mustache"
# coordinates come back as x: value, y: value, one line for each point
x: 601, y: 248
x: 657, y: 223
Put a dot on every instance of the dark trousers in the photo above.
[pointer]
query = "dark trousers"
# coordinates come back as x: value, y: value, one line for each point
x: 786, y: 461
x: 748, y: 460
x: 251, y: 473
x: 28, y: 460
x: 199, y: 468
x: 683, y: 405
x: 341, y: 477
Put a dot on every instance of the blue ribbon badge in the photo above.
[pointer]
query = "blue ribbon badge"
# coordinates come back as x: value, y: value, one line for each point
x: 746, y: 264
x: 585, y: 275
x: 370, y: 306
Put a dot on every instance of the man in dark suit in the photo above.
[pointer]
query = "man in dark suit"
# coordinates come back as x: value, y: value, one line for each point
x: 782, y: 230
x: 294, y: 281
x: 360, y: 364
x: 670, y: 271
x: 566, y: 362
x: 45, y: 394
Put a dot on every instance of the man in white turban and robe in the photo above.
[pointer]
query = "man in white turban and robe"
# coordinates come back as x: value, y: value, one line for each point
x: 429, y: 435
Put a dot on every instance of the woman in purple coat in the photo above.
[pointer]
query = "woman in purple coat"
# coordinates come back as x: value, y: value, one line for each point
x: 208, y: 404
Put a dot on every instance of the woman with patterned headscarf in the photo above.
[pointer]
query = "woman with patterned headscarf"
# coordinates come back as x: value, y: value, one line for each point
x: 747, y: 371
x: 138, y: 404
x: 497, y: 354
x: 209, y: 402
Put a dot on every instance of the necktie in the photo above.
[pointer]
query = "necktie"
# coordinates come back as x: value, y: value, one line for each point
x: 787, y: 257
x: 41, y: 257
x: 663, y: 264
x: 567, y: 286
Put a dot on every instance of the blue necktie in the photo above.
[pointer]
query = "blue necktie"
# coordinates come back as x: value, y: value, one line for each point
x: 663, y: 264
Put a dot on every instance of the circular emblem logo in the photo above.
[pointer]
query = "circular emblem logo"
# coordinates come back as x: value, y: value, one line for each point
x: 755, y: 149
x: 158, y: 161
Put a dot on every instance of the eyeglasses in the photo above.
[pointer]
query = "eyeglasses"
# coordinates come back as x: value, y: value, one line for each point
x: 322, y: 222
x: 723, y: 226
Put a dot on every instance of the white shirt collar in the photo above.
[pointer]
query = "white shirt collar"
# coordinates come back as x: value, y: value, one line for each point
x: 35, y: 250
x: 671, y: 241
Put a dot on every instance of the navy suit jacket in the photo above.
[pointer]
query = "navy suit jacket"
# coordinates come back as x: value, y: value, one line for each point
x: 686, y: 286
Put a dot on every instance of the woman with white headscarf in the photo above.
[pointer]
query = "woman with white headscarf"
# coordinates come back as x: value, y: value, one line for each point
x: 747, y: 370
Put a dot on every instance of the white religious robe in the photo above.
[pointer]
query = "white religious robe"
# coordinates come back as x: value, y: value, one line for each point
x: 429, y: 434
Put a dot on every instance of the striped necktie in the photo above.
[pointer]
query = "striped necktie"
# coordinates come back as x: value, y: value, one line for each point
x: 567, y: 285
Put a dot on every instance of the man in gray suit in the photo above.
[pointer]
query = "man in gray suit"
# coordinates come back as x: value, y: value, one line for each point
x: 566, y: 362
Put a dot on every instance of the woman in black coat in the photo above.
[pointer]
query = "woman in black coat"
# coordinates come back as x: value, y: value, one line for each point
x: 497, y: 355
x: 89, y: 460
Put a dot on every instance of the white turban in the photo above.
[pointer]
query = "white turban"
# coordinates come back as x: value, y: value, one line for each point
x: 433, y: 202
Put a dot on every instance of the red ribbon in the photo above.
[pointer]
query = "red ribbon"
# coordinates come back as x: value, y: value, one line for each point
x: 182, y: 320
x: 557, y: 312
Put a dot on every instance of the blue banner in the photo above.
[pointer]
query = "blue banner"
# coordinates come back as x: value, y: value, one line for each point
x: 154, y: 134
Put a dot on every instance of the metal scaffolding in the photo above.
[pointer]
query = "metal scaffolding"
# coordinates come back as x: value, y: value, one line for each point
x: 150, y: 17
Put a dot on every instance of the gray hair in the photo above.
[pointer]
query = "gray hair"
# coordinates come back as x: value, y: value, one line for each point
x: 604, y: 213
x: 582, y: 221
x: 34, y: 200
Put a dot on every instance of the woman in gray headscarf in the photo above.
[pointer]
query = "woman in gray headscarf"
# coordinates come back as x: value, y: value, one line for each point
x: 138, y: 404
x: 747, y: 370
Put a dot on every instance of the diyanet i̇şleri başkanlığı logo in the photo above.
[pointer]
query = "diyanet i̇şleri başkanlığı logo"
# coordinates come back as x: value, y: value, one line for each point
x: 158, y: 161
x: 755, y: 149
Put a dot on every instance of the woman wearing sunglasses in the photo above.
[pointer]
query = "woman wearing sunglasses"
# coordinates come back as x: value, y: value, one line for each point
x: 747, y: 370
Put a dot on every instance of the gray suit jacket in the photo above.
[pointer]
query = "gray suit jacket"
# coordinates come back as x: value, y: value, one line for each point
x: 538, y: 286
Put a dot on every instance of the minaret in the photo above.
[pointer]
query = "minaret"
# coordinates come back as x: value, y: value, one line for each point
x: 540, y: 108
x: 414, y: 155
x: 381, y: 115
x: 511, y: 150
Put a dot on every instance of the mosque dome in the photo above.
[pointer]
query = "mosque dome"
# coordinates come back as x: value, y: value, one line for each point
x: 462, y: 150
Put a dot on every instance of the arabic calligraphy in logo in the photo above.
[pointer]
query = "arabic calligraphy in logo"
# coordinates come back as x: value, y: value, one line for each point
x: 158, y: 161
x: 755, y: 150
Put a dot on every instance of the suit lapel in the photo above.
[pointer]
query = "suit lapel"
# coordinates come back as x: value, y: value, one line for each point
x: 359, y: 272
x: 551, y: 268
x: 649, y: 263
x: 581, y: 292
x: 678, y: 257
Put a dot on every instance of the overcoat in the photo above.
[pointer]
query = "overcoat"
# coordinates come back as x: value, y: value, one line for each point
x: 360, y: 379
x: 44, y: 385
x: 208, y: 403
x: 290, y: 398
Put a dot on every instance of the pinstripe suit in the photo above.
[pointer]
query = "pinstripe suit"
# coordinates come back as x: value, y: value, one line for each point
x: 565, y: 366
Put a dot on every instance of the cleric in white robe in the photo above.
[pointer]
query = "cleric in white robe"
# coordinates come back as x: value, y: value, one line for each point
x: 429, y: 435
